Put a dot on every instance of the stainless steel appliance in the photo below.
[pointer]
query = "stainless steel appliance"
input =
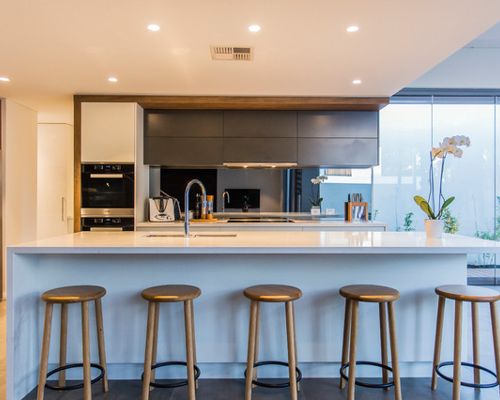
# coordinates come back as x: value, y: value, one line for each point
x: 107, y: 196
x: 107, y: 224
x: 163, y: 209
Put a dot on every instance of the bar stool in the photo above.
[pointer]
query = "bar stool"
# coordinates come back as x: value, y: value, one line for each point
x: 473, y: 295
x: 272, y: 294
x: 371, y: 294
x: 65, y: 296
x: 170, y: 294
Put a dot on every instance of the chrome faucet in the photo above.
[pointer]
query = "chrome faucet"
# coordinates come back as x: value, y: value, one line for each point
x: 224, y: 195
x: 186, y: 202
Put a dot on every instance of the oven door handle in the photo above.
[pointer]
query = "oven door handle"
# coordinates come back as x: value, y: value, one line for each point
x: 106, y: 176
x: 109, y: 228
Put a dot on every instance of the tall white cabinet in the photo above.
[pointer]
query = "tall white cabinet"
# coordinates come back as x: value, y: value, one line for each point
x: 54, y: 180
x: 113, y: 133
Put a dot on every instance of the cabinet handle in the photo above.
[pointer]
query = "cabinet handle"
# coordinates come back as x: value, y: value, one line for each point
x: 63, y: 209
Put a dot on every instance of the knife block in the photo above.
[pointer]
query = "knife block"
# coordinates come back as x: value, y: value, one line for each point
x: 356, y: 211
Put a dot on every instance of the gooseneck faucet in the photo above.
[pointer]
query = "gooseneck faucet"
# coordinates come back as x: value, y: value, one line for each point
x: 186, y: 202
x: 224, y: 195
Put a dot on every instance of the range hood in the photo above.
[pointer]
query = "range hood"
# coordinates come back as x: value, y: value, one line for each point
x: 260, y: 165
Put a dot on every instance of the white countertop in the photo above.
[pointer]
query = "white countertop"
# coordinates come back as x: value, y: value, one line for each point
x: 256, y: 242
x: 298, y: 223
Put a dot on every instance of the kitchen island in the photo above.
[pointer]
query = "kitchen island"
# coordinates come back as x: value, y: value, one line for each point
x: 222, y: 264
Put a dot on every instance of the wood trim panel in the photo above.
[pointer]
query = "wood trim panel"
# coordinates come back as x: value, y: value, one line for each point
x: 77, y: 143
x: 244, y: 102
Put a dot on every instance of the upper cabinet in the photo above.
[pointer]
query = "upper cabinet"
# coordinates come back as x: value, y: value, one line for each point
x: 338, y: 124
x: 183, y: 123
x: 108, y: 132
x: 260, y: 124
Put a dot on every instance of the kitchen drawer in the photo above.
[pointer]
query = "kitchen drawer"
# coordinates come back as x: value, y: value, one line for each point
x: 337, y: 152
x: 183, y: 152
x: 183, y: 123
x: 270, y: 124
x: 260, y: 150
x: 342, y: 124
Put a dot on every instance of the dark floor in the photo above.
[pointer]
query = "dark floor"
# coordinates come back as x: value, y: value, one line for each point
x: 311, y: 389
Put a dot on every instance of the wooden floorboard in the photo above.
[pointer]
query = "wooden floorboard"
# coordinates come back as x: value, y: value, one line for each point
x: 312, y: 389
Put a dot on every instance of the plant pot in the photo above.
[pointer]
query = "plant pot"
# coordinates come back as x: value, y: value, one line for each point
x: 434, y: 228
x: 315, y: 210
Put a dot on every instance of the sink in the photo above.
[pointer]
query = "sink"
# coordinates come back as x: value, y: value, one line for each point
x: 181, y: 235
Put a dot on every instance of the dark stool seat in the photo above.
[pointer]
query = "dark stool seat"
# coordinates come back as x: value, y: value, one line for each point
x: 73, y: 294
x: 170, y: 294
x: 473, y: 295
x: 385, y: 297
x: 369, y: 293
x: 64, y: 296
x: 273, y: 293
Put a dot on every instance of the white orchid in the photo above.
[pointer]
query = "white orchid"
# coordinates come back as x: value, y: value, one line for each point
x: 319, y: 180
x: 316, y: 200
x: 451, y: 145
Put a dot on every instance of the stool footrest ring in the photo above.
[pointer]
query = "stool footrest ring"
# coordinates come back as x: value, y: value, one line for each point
x: 78, y: 385
x: 468, y: 384
x: 279, y: 385
x: 366, y: 384
x: 175, y: 384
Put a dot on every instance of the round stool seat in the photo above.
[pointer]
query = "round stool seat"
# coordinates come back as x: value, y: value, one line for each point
x: 171, y: 293
x: 73, y: 294
x: 369, y: 293
x: 474, y: 294
x: 273, y: 293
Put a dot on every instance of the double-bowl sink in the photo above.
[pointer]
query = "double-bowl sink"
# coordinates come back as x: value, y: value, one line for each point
x: 194, y: 235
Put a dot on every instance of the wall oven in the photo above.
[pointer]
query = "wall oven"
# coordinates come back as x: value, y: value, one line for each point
x: 107, y: 192
x: 96, y: 224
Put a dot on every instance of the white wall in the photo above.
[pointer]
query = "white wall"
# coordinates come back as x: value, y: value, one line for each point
x: 19, y: 175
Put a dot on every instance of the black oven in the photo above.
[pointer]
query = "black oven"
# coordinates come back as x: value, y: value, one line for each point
x: 107, y: 187
x: 107, y: 224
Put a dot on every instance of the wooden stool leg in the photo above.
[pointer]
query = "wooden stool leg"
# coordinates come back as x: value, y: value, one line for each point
x: 496, y: 336
x: 87, y: 389
x: 251, y: 349
x: 296, y: 354
x: 188, y: 320
x: 44, y: 357
x: 457, y: 353
x: 438, y: 341
x: 383, y: 340
x: 292, y: 357
x: 352, y: 350
x: 148, y: 356
x: 63, y: 344
x: 394, y: 351
x: 155, y: 342
x: 475, y: 341
x: 100, y: 343
x: 194, y: 344
x: 256, y: 352
x: 345, y: 344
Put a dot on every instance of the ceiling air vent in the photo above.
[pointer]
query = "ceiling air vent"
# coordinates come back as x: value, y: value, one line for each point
x: 231, y: 53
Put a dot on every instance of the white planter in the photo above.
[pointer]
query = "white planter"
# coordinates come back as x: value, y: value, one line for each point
x: 434, y: 228
x: 315, y: 210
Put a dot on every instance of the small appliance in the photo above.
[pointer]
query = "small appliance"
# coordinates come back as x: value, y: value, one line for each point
x: 163, y: 208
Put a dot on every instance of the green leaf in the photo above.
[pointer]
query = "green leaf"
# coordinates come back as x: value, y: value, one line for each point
x: 445, y: 205
x: 426, y: 208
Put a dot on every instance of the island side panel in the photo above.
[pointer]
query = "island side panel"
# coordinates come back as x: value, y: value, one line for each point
x: 221, y: 313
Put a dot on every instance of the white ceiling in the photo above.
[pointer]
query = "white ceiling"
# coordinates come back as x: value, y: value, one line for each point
x: 475, y: 66
x: 52, y: 49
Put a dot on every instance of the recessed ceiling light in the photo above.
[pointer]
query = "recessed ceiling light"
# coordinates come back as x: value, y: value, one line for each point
x: 113, y: 79
x: 153, y: 27
x: 352, y: 28
x: 254, y: 28
x: 356, y: 82
x: 4, y: 79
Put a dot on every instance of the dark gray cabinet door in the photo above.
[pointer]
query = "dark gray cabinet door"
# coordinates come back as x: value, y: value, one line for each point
x: 338, y: 152
x: 260, y: 150
x: 342, y: 124
x: 183, y: 123
x: 252, y: 124
x: 183, y: 151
